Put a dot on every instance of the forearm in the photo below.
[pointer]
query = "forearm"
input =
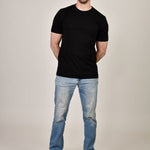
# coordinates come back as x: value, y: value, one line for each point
x: 55, y: 49
x: 99, y: 55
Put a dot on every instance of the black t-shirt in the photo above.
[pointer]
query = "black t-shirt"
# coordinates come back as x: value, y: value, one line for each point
x: 80, y: 30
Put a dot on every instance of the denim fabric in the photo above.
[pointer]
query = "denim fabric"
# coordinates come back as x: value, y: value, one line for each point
x: 64, y: 89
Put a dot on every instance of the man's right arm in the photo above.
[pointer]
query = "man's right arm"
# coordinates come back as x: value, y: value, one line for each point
x: 54, y: 43
x: 56, y: 32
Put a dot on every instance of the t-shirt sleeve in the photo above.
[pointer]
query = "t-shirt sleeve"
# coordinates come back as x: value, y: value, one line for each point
x: 103, y: 31
x: 57, y: 22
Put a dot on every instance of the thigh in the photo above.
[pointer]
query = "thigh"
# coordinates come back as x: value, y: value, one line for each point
x: 88, y: 93
x: 64, y: 88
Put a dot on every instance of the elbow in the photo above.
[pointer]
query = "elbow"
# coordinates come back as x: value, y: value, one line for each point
x: 54, y: 46
x: 51, y: 45
x: 102, y: 52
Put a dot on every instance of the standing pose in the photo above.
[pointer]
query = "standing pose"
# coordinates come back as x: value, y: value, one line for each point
x: 79, y: 26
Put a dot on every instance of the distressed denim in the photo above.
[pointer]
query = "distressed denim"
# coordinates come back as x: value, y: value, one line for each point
x: 64, y: 89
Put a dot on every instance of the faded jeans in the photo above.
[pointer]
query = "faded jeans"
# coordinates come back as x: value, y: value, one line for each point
x: 64, y: 89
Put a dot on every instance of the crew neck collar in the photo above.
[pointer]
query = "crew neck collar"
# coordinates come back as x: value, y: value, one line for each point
x: 83, y: 11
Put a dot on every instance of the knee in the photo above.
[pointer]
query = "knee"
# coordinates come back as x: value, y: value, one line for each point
x: 60, y: 115
x: 90, y: 117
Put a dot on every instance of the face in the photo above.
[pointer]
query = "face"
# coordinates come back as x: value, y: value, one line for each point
x: 83, y: 1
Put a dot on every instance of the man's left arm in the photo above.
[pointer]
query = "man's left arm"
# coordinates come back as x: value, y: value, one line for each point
x: 101, y: 49
x: 102, y: 39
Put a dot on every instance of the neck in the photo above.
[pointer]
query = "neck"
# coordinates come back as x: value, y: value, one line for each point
x: 83, y: 6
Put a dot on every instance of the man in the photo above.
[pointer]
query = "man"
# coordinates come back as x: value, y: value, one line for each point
x: 79, y: 26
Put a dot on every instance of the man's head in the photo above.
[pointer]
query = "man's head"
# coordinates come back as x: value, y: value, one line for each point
x: 83, y: 1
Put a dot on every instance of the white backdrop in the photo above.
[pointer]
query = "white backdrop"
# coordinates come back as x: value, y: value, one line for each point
x: 27, y: 74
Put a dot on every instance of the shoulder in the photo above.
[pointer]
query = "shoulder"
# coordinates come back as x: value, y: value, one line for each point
x: 66, y: 9
x: 62, y: 12
x: 100, y: 18
x: 98, y: 14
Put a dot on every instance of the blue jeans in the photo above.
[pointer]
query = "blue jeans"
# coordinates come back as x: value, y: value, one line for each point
x: 64, y: 89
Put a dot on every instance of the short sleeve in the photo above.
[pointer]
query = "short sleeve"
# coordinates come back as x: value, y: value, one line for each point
x: 57, y: 22
x: 103, y: 31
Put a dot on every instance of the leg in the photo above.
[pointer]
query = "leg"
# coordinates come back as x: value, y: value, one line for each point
x: 64, y: 88
x: 88, y: 96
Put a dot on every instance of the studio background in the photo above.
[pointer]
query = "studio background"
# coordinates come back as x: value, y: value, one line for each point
x: 27, y: 78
